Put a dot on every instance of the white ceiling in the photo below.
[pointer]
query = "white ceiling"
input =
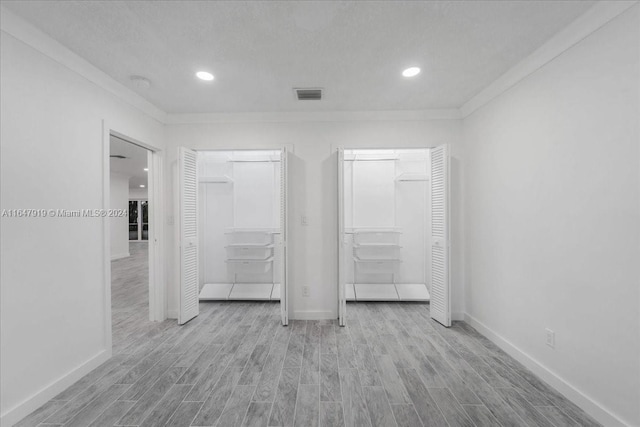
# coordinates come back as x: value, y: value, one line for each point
x: 259, y: 51
x: 134, y: 164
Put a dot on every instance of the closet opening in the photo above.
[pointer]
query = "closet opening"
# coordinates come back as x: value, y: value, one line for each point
x: 233, y: 227
x: 393, y: 227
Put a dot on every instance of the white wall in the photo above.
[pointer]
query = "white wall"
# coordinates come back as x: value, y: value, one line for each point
x: 53, y: 323
x: 138, y: 194
x: 313, y: 184
x: 553, y: 217
x: 119, y: 187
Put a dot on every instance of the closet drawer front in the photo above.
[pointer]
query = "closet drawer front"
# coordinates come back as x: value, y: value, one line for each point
x: 255, y: 238
x: 250, y: 266
x: 381, y: 266
x: 373, y: 237
x: 243, y: 252
x: 377, y: 252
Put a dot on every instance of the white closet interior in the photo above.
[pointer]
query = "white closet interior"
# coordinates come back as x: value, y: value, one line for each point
x: 387, y: 224
x: 239, y: 209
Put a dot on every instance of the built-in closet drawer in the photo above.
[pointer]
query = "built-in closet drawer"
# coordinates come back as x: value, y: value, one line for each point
x: 249, y: 238
x: 254, y: 252
x: 250, y: 266
x: 367, y: 237
x: 378, y: 266
x: 377, y: 251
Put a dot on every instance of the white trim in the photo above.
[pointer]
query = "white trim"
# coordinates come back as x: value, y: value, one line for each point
x: 315, y: 116
x: 157, y: 292
x: 172, y: 314
x: 157, y: 285
x: 314, y: 315
x: 15, y: 26
x: 106, y: 235
x: 593, y: 19
x: 588, y: 404
x: 458, y: 316
x: 120, y: 256
x: 27, y: 406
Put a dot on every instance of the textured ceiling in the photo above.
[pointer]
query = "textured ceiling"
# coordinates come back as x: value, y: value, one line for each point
x: 259, y: 51
x: 134, y: 164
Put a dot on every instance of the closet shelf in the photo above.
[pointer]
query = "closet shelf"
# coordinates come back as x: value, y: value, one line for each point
x: 376, y: 260
x: 412, y: 177
x: 251, y: 260
x: 251, y: 230
x: 376, y: 245
x: 380, y: 230
x: 273, y: 158
x: 250, y: 246
x: 370, y: 157
x: 218, y: 179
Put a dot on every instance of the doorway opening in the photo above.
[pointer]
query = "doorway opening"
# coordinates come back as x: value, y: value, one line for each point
x: 129, y: 229
x: 133, y: 265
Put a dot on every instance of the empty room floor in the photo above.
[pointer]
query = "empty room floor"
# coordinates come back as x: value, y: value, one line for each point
x: 130, y: 295
x: 235, y: 365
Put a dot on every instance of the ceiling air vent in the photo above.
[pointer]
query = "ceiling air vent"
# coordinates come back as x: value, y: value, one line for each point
x: 117, y: 156
x: 308, y: 94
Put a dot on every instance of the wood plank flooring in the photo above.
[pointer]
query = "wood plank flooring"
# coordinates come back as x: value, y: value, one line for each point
x: 234, y: 365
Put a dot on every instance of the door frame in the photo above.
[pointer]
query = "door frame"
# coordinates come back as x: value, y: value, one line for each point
x: 334, y: 149
x: 157, y: 285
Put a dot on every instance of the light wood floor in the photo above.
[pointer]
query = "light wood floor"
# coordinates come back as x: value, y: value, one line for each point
x: 235, y: 365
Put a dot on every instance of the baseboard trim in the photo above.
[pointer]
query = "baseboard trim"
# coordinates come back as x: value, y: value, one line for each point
x: 120, y: 256
x: 313, y: 315
x: 172, y: 314
x: 587, y: 404
x: 18, y: 412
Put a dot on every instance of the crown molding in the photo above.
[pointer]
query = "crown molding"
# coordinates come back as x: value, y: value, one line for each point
x: 18, y: 28
x: 589, y: 22
x: 316, y: 116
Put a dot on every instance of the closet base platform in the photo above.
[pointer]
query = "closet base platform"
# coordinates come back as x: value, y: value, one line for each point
x: 350, y: 292
x: 215, y: 291
x: 387, y: 292
x: 413, y: 292
x: 275, y: 293
x: 240, y: 292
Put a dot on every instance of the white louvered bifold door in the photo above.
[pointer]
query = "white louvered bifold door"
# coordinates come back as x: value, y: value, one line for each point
x: 284, y: 234
x: 188, y: 208
x: 342, y: 300
x: 440, y: 291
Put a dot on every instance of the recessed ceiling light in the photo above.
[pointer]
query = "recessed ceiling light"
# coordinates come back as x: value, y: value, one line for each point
x: 146, y: 169
x: 411, y: 72
x: 203, y: 75
x: 141, y: 185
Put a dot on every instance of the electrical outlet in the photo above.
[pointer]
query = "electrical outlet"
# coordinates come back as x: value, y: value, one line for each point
x: 305, y: 291
x: 304, y: 220
x: 551, y: 338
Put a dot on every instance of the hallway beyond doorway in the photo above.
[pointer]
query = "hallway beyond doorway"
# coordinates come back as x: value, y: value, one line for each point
x: 130, y: 295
